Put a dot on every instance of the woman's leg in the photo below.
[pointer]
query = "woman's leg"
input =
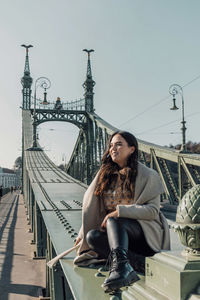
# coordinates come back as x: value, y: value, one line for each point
x: 121, y: 232
x: 128, y: 234
x: 117, y: 234
x: 98, y: 241
x: 121, y: 272
x: 138, y: 248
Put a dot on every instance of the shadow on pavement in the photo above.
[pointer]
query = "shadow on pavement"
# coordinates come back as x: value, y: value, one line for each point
x: 18, y: 289
x: 6, y: 286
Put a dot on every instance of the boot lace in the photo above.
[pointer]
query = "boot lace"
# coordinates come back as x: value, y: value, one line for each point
x: 115, y: 257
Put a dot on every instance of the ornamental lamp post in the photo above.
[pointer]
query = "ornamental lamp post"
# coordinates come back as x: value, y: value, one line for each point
x: 45, y: 102
x: 44, y: 83
x: 175, y: 89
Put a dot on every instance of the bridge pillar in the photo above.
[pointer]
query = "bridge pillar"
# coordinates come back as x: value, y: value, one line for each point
x: 180, y: 274
x: 168, y: 276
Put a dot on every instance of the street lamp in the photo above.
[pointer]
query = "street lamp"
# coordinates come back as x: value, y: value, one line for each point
x: 44, y: 83
x: 175, y: 89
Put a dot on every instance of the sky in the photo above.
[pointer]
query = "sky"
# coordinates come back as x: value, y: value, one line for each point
x: 141, y: 48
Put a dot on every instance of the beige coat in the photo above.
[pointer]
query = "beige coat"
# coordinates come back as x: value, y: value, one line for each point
x: 146, y: 209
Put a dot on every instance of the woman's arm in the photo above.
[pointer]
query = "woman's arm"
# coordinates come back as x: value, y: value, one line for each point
x: 146, y: 211
x: 87, y: 203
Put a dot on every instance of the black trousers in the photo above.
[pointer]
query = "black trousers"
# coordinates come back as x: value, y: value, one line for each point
x: 120, y: 232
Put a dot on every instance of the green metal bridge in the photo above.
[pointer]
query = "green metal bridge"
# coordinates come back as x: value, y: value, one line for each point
x: 53, y: 200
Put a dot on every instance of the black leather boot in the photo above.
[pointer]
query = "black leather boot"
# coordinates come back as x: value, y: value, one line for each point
x: 121, y: 273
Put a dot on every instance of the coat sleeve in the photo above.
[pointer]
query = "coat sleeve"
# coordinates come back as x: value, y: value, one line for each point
x: 147, y: 204
x: 146, y: 211
x: 90, y: 204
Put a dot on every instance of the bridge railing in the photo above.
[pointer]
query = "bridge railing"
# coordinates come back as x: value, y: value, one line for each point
x: 178, y: 171
x: 78, y: 104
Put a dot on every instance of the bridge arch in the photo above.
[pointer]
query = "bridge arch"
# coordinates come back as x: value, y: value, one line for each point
x: 77, y: 118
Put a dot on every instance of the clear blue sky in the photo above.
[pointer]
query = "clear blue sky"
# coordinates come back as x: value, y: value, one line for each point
x: 141, y: 48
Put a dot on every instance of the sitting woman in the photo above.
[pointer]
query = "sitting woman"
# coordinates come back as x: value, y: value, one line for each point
x: 121, y: 211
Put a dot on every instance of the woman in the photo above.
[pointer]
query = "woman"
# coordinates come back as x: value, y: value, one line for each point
x: 121, y: 211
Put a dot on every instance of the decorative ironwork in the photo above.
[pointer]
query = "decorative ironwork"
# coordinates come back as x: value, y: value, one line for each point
x: 70, y: 105
x: 188, y: 221
x: 44, y: 83
x: 72, y: 116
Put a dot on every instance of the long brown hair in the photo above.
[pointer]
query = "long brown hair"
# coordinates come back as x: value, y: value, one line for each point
x: 109, y: 169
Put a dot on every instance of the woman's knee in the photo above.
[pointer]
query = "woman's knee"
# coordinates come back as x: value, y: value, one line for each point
x: 92, y: 236
x: 128, y: 224
x: 114, y: 220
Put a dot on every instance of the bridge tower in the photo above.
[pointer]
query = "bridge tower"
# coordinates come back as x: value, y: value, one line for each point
x: 89, y: 85
x: 89, y: 108
x: 26, y: 81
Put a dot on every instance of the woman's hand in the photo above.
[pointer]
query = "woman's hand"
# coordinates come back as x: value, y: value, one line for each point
x: 112, y: 214
x: 77, y: 241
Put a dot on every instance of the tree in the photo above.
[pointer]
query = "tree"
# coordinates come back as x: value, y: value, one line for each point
x: 18, y: 163
x: 190, y: 146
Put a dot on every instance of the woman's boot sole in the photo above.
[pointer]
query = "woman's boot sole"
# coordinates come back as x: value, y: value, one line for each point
x: 117, y: 284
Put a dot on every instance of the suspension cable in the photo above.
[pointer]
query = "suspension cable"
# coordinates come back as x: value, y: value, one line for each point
x: 157, y: 103
x: 165, y: 124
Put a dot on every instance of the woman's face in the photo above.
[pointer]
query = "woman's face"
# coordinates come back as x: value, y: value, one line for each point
x: 120, y: 150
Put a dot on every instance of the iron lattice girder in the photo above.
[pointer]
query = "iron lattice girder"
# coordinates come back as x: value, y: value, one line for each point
x: 166, y: 161
x: 78, y: 118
